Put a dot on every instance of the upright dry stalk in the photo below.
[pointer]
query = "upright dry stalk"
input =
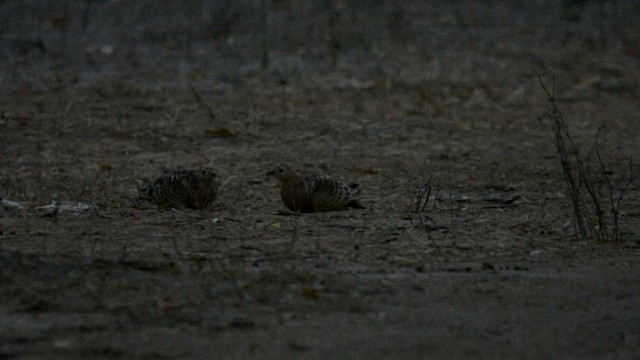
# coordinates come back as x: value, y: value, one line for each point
x: 593, y: 216
x: 561, y: 133
x: 615, y: 197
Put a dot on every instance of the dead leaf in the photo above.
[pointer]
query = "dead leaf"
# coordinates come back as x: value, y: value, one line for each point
x: 100, y: 167
x: 311, y: 293
x: 365, y: 170
x: 58, y: 22
x: 219, y: 133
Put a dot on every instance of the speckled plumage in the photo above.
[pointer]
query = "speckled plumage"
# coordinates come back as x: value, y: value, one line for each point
x: 192, y: 189
x: 315, y: 193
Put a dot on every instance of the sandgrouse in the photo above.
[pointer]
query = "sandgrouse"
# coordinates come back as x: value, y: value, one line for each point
x: 191, y: 189
x: 315, y: 193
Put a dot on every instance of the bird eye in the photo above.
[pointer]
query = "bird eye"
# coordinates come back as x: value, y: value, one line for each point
x: 281, y: 170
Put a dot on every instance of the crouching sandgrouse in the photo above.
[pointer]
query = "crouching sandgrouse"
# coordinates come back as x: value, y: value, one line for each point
x: 191, y: 189
x: 315, y: 193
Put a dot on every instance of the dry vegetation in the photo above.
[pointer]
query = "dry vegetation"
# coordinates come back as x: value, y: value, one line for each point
x: 469, y: 246
x: 595, y: 197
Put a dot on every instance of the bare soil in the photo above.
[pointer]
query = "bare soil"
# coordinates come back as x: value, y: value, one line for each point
x: 98, y: 97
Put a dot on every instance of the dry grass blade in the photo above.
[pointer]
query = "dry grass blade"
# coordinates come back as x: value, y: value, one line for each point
x: 202, y: 103
x: 422, y: 197
x: 419, y: 207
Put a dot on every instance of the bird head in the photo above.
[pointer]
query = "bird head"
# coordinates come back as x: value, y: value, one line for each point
x: 282, y: 173
x: 207, y: 173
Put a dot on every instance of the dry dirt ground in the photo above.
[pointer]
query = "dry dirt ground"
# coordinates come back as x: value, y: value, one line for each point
x: 96, y: 97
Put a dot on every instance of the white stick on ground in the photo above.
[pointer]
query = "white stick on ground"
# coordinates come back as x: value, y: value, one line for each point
x: 5, y: 203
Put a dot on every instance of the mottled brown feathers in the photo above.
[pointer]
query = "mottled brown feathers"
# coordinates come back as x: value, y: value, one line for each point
x: 192, y: 189
x: 315, y: 193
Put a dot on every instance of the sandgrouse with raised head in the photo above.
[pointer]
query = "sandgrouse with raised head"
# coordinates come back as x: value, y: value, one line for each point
x: 191, y: 189
x: 315, y: 193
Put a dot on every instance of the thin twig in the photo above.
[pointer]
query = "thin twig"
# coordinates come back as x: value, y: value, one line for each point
x: 201, y: 102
